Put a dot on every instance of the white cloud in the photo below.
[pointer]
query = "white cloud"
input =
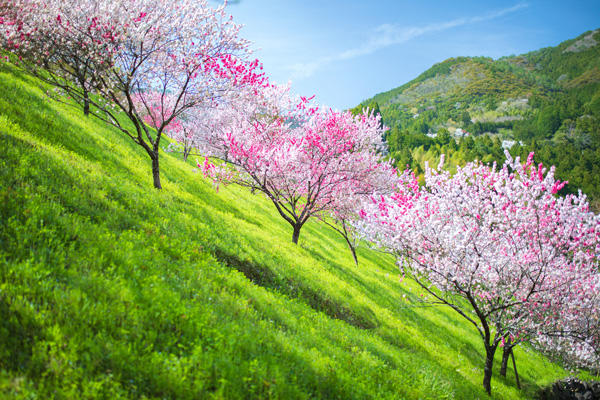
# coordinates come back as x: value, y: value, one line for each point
x: 387, y: 35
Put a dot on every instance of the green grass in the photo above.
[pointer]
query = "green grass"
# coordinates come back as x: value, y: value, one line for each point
x: 111, y: 289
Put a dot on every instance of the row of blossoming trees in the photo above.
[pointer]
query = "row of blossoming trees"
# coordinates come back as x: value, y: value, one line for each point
x: 497, y: 245
x: 120, y: 59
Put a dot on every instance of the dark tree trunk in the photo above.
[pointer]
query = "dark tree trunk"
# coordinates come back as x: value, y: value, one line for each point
x: 186, y: 153
x: 352, y: 249
x: 512, y: 354
x: 296, y: 233
x: 86, y: 102
x: 156, y: 172
x: 487, y: 371
x: 505, y: 355
x: 346, y: 235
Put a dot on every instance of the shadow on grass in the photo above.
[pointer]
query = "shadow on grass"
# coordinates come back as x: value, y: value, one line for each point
x: 18, y: 331
x: 265, y: 277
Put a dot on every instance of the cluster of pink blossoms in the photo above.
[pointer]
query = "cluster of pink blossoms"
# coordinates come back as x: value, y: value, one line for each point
x: 307, y: 161
x: 523, y: 260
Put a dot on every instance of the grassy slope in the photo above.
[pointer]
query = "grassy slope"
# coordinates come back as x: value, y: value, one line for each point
x: 109, y: 288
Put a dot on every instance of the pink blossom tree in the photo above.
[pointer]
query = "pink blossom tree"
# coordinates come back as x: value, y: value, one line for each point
x: 137, y: 53
x: 302, y: 159
x: 183, y: 132
x: 65, y: 43
x: 341, y: 219
x: 495, y: 245
x: 267, y: 110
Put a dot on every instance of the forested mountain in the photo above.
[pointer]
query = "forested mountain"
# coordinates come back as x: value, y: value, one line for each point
x: 547, y: 101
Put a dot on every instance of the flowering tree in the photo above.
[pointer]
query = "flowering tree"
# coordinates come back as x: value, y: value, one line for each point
x: 300, y: 158
x: 65, y: 43
x: 135, y: 54
x: 342, y: 217
x: 495, y: 245
x: 268, y: 109
x: 183, y: 133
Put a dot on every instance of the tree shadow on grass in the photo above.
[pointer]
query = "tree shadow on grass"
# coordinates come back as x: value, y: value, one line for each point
x: 265, y: 277
x: 19, y: 332
x: 403, y: 357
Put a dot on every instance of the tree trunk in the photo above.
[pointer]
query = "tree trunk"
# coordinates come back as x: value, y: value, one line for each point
x: 346, y: 235
x: 352, y: 249
x: 507, y: 352
x: 512, y: 354
x: 505, y: 355
x: 487, y: 371
x: 156, y: 172
x: 86, y: 102
x: 296, y: 233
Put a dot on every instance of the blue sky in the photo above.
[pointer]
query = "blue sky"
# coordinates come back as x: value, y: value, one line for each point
x: 348, y: 51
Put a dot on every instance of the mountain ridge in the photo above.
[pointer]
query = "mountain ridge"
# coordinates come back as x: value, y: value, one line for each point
x: 546, y: 101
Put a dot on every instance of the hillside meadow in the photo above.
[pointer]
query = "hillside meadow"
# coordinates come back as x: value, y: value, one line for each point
x: 112, y: 289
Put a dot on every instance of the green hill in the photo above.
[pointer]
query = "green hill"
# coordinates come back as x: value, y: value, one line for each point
x: 111, y: 289
x: 547, y: 101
